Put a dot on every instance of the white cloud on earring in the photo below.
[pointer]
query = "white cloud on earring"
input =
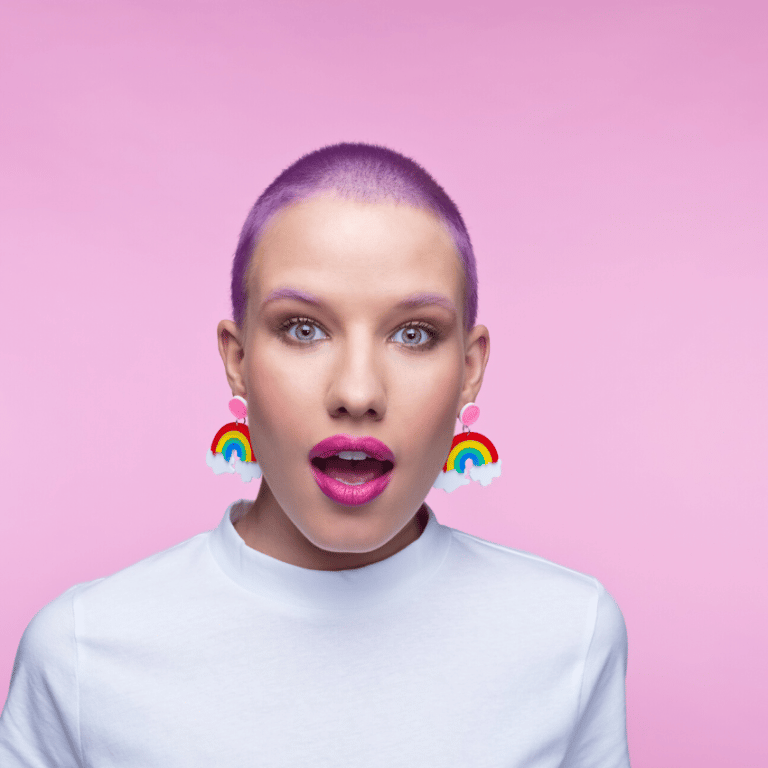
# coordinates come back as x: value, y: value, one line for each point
x: 485, y: 472
x: 450, y: 481
x: 246, y: 469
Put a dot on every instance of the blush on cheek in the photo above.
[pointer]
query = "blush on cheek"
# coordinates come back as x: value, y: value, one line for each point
x: 436, y: 436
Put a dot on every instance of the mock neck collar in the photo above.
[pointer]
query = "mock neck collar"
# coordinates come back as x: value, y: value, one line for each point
x: 350, y: 589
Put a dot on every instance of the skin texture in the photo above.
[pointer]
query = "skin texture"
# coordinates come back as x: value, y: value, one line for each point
x: 347, y: 366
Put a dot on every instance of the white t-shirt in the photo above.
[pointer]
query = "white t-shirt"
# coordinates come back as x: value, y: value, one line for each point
x: 452, y: 652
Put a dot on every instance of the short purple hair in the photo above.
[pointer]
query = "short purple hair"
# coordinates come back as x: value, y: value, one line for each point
x: 364, y: 172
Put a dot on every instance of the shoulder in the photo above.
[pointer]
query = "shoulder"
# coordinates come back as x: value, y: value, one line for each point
x: 49, y: 636
x: 519, y: 580
x: 517, y: 566
x: 153, y: 582
x: 161, y: 568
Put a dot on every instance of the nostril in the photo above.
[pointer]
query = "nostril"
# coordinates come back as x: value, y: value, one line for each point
x: 344, y: 411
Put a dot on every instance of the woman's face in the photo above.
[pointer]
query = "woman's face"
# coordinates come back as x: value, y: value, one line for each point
x: 354, y: 327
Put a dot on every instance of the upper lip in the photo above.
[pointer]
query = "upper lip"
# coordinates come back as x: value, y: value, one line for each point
x: 370, y: 445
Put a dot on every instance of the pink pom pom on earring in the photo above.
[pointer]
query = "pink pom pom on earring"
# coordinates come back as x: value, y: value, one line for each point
x: 469, y: 414
x: 238, y: 407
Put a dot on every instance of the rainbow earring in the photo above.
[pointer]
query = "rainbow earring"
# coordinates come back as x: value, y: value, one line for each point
x: 469, y: 446
x: 231, y: 449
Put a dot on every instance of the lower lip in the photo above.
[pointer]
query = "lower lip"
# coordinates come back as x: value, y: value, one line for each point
x: 350, y: 495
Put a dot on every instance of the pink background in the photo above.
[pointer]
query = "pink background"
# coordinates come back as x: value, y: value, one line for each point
x: 610, y: 160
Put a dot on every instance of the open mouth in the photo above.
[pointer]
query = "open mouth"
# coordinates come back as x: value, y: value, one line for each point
x: 352, y: 470
x: 352, y: 467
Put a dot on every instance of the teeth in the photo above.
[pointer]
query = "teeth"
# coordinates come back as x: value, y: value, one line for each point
x: 353, y: 455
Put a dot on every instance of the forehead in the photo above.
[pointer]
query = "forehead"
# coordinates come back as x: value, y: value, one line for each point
x: 376, y: 251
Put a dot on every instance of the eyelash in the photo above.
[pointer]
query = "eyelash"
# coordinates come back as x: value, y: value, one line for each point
x: 433, y: 333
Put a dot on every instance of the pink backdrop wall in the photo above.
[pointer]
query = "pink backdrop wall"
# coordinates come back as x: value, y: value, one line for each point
x: 610, y: 160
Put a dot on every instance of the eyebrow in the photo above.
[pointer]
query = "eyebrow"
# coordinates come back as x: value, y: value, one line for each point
x: 291, y: 293
x: 409, y: 302
x: 425, y: 299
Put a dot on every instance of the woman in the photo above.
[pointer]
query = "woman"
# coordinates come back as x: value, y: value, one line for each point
x: 333, y: 621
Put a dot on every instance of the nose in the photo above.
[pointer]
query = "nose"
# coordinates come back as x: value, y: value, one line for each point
x: 357, y: 388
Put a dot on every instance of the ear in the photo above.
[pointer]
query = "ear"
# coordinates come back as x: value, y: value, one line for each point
x: 477, y: 350
x: 232, y: 352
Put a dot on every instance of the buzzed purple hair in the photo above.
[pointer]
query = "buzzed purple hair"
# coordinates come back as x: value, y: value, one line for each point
x: 363, y: 172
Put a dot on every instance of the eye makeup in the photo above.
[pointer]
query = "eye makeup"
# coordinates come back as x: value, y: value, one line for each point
x: 283, y: 329
x: 433, y: 334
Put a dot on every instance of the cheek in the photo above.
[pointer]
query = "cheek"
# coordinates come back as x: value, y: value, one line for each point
x: 430, y: 401
x: 276, y: 379
x: 281, y: 400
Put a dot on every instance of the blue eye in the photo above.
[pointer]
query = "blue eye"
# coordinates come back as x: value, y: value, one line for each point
x: 306, y: 330
x: 413, y: 336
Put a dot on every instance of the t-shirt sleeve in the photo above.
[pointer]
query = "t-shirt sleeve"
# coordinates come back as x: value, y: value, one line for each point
x: 599, y: 739
x: 39, y: 726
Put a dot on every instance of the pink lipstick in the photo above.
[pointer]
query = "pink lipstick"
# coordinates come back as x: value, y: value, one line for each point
x: 351, y: 470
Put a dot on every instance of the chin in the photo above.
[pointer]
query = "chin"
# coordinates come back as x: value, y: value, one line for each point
x: 354, y: 530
